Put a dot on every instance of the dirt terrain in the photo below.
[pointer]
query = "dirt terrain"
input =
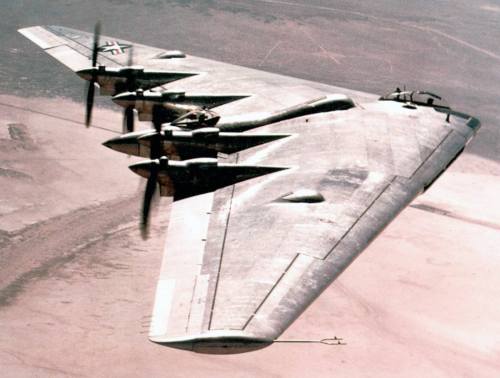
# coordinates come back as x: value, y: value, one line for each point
x: 77, y: 281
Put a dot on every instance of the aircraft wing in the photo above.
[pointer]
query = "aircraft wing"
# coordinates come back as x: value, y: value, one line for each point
x: 269, y: 92
x: 241, y: 263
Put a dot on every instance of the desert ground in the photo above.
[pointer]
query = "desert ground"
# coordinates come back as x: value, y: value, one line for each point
x: 77, y: 281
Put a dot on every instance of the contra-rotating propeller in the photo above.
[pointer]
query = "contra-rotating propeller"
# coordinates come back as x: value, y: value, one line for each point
x: 130, y: 84
x: 93, y: 80
x: 152, y: 183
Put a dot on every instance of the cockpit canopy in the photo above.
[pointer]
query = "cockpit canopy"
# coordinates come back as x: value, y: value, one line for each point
x: 422, y: 98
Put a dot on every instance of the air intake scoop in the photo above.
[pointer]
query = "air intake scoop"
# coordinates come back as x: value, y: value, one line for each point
x: 302, y: 196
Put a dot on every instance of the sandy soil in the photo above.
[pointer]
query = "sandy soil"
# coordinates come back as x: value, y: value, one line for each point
x: 77, y: 281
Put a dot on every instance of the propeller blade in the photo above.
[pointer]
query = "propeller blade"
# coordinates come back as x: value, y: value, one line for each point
x: 155, y: 153
x: 128, y: 120
x: 130, y: 61
x: 155, y: 149
x: 130, y: 82
x: 90, y: 103
x: 95, y: 48
x: 148, y: 197
x: 157, y: 117
x: 93, y: 80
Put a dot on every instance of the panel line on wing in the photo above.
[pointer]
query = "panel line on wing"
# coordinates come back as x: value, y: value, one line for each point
x: 197, y: 304
x: 191, y: 302
x: 221, y: 254
x: 361, y: 216
x: 270, y: 291
x: 87, y: 48
x: 432, y: 153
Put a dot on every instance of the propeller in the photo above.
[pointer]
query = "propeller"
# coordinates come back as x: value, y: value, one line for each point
x: 152, y: 183
x: 130, y: 56
x: 128, y: 120
x: 130, y: 85
x: 93, y: 80
x: 131, y: 80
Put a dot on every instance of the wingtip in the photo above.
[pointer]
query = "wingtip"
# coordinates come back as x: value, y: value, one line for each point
x: 42, y: 36
x: 25, y: 29
x: 214, y: 344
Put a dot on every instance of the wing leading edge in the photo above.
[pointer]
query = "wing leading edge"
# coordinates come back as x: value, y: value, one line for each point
x: 269, y: 92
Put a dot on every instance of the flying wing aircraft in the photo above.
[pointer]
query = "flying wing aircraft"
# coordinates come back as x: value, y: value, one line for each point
x: 277, y: 189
